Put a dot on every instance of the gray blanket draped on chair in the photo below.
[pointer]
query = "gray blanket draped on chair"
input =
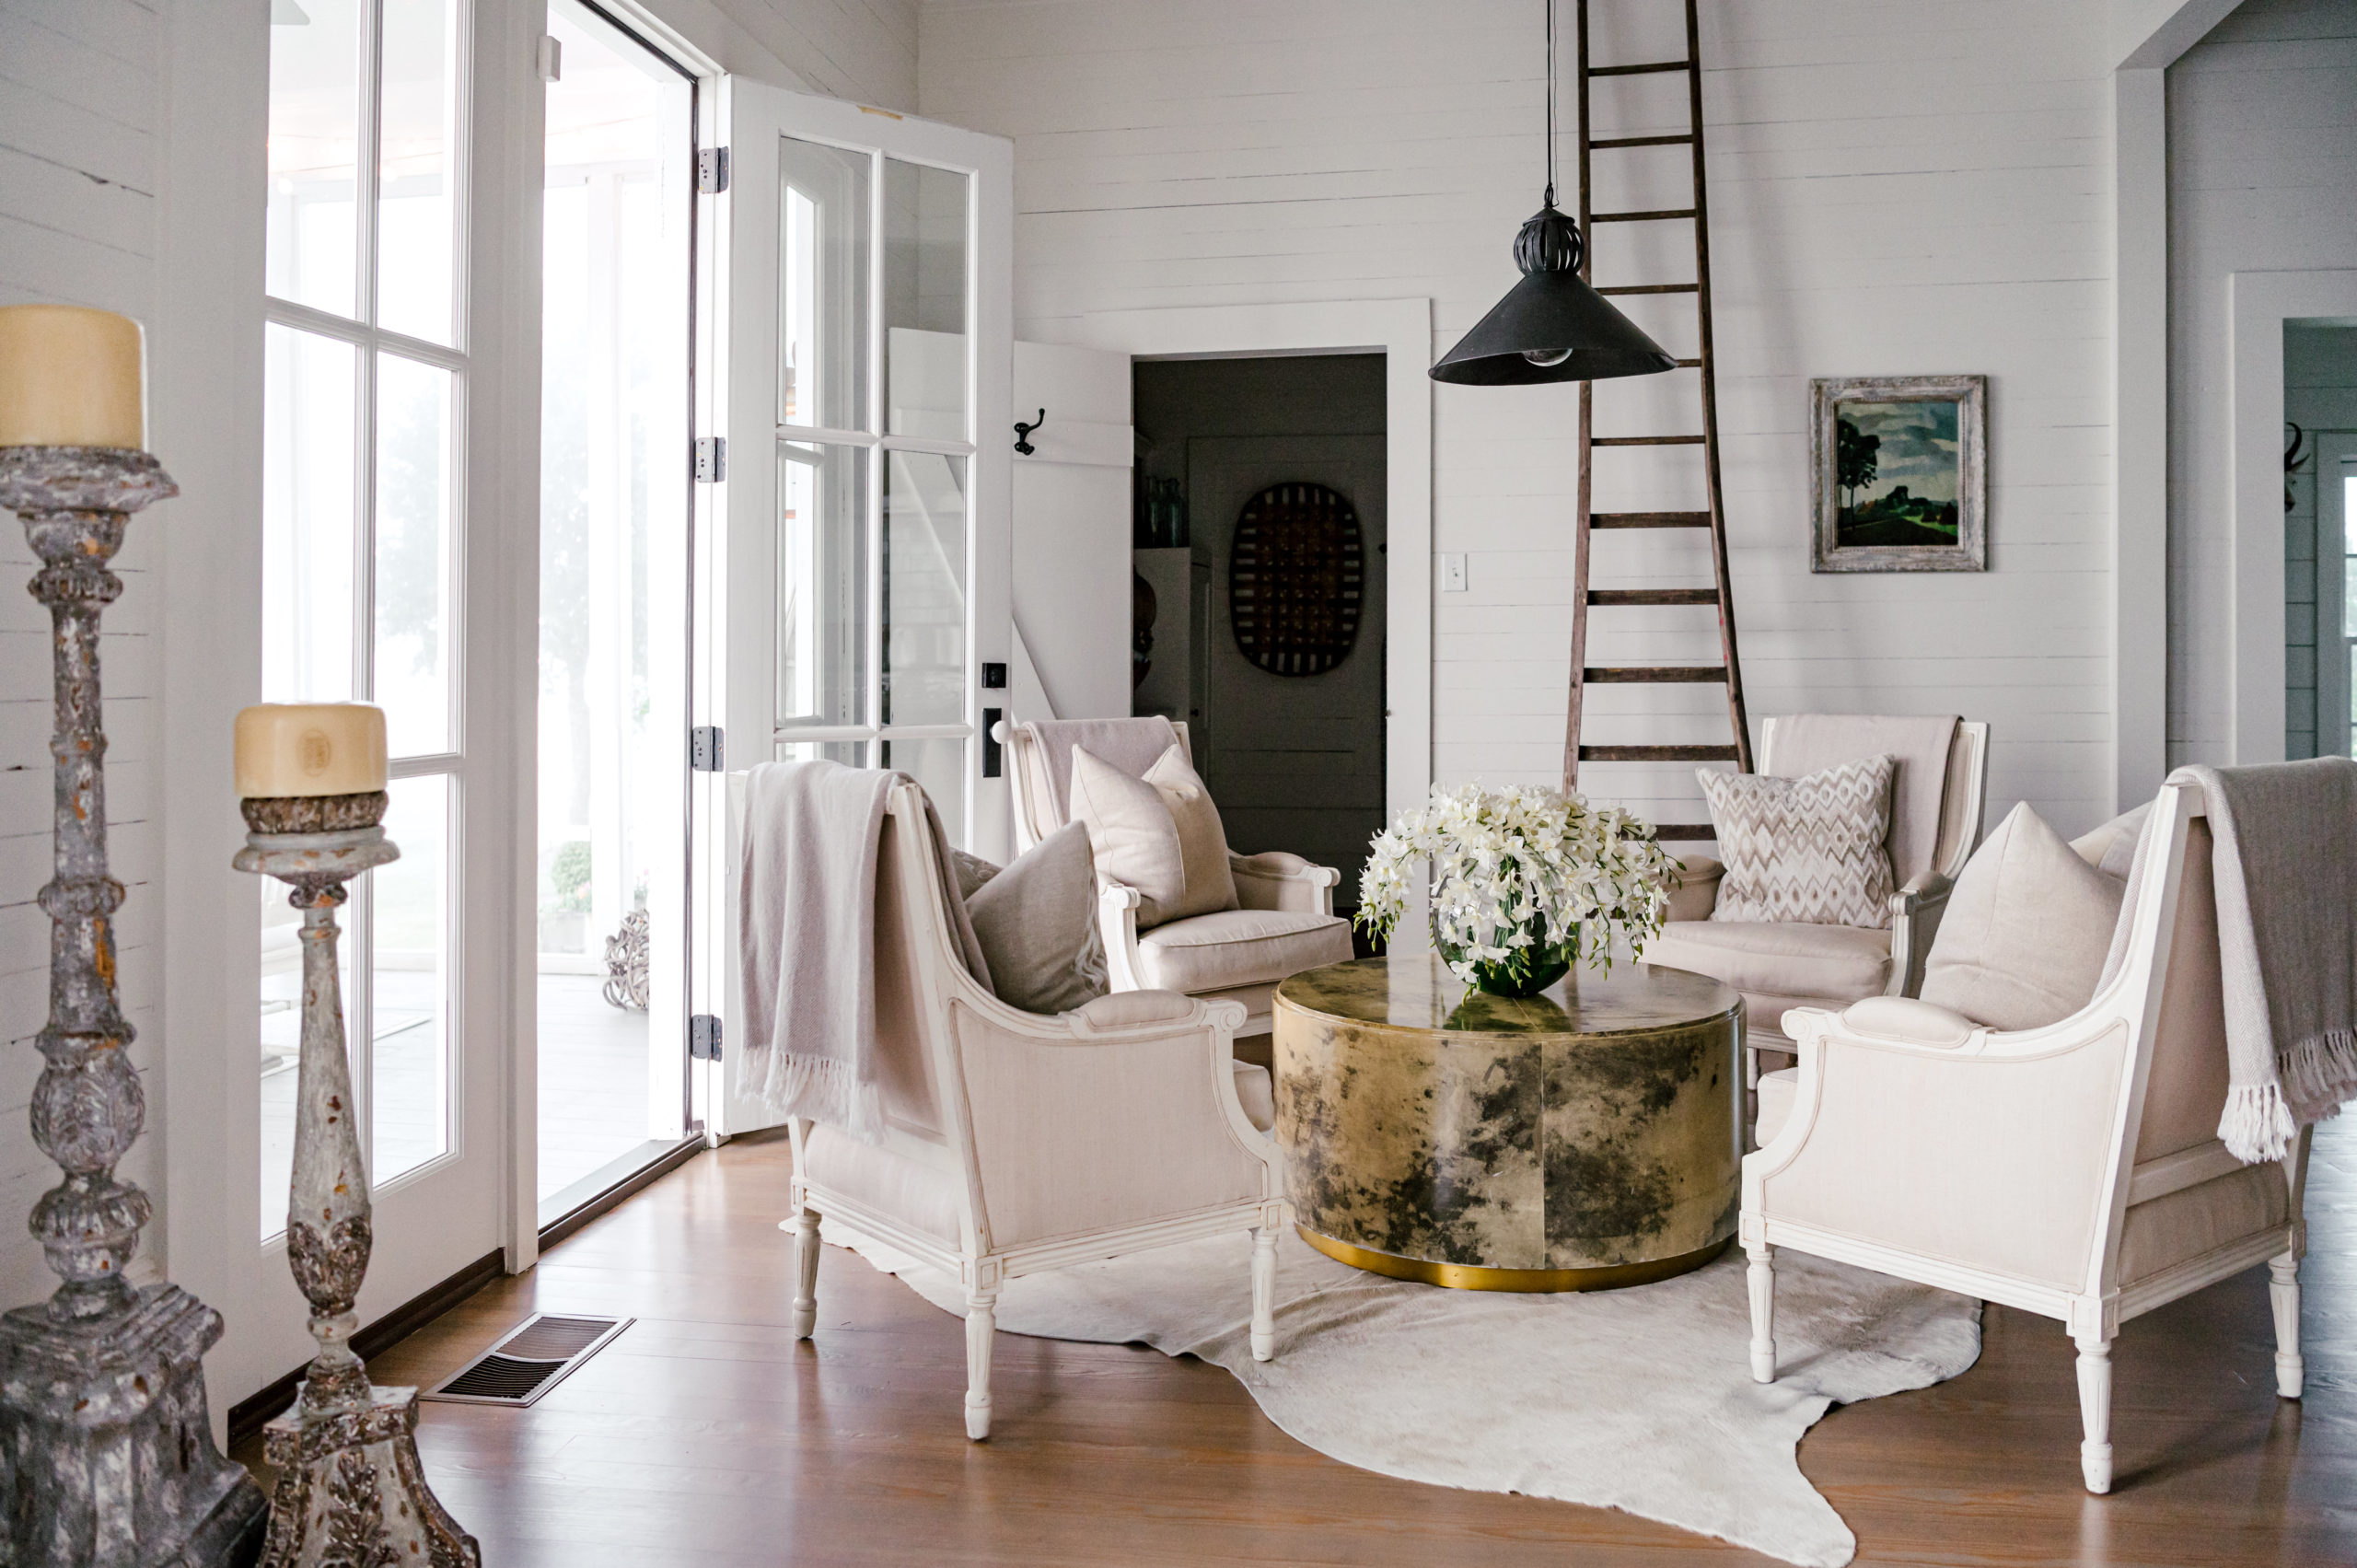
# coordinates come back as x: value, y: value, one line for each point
x: 806, y: 940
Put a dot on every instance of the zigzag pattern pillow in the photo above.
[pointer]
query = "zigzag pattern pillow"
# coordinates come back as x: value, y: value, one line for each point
x: 1811, y: 849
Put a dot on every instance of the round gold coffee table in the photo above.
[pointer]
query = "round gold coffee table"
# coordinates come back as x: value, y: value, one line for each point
x: 1585, y: 1138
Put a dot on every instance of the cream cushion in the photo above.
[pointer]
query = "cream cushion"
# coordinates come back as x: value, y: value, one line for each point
x: 1776, y: 1093
x: 2023, y: 942
x: 1785, y: 959
x: 2112, y: 847
x: 1810, y: 849
x: 1202, y: 843
x: 1036, y: 923
x: 1130, y: 833
x: 1230, y: 947
x: 1256, y: 1094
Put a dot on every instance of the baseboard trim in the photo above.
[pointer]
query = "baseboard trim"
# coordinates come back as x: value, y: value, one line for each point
x: 249, y: 1415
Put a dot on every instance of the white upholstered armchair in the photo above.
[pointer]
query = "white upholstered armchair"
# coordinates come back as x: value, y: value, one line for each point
x: 2073, y: 1170
x: 1936, y: 823
x: 1016, y: 1142
x: 1285, y: 923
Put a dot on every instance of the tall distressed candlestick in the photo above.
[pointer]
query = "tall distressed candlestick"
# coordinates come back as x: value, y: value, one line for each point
x: 107, y: 1457
x: 351, y: 1489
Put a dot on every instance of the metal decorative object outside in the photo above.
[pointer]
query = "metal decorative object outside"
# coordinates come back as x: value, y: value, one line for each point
x: 351, y: 1489
x: 626, y: 954
x: 106, y: 1449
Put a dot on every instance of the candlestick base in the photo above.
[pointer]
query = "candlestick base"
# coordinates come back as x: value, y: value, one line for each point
x: 108, y: 1445
x: 351, y: 1489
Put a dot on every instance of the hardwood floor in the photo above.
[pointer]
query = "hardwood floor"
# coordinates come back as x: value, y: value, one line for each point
x: 703, y: 1437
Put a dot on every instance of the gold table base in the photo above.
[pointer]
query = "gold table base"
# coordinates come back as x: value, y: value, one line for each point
x: 1472, y: 1276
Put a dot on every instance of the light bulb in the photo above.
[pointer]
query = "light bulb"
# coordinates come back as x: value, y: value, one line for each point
x: 1547, y: 358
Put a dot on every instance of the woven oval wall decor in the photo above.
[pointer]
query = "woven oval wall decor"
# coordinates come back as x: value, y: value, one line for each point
x: 1297, y: 574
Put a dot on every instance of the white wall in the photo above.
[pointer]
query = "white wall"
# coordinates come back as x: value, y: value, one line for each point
x: 861, y: 49
x: 78, y: 165
x: 1913, y: 188
x: 2262, y: 125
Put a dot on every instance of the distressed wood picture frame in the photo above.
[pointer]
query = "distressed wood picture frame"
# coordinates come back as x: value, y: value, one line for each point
x: 1898, y: 473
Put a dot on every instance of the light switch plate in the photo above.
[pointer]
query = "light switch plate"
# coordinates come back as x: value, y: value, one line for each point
x: 1452, y: 574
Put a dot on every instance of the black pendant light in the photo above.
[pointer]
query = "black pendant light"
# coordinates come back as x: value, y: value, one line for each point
x: 1550, y: 326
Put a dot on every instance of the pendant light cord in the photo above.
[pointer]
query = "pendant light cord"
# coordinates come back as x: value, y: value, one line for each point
x: 1551, y: 102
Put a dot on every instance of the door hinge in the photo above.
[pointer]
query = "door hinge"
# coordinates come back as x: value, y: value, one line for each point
x: 551, y: 59
x: 706, y: 748
x: 712, y: 171
x: 712, y: 458
x: 703, y: 1037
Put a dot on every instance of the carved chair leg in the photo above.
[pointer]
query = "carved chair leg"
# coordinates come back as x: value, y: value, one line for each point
x: 1762, y: 1281
x: 981, y: 1323
x: 2094, y: 1412
x: 1264, y: 1294
x: 2283, y: 1292
x: 806, y: 1273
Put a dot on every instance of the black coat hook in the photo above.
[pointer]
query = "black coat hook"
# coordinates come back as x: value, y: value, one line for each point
x: 1023, y: 433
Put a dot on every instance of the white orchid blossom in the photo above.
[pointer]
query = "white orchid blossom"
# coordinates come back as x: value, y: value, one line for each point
x: 1517, y: 868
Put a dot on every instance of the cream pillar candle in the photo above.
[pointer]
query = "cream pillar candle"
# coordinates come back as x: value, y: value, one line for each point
x: 288, y: 749
x: 71, y: 376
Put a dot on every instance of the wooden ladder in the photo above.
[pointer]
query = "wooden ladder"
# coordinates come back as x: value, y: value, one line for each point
x: 1726, y: 672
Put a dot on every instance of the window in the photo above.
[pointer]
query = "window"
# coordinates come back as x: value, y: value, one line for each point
x: 365, y: 388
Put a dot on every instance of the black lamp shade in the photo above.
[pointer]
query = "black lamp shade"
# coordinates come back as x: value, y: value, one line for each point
x: 1550, y: 312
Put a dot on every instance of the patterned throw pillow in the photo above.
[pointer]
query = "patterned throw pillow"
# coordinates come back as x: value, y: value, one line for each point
x: 1808, y: 850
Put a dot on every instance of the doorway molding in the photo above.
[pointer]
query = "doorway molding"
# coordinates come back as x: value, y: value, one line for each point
x: 2259, y: 304
x: 1401, y: 331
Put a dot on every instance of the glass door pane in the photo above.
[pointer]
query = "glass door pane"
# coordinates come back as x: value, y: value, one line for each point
x: 822, y: 585
x: 822, y: 285
x: 924, y: 300
x: 409, y: 989
x: 925, y: 589
x: 311, y: 257
x: 417, y: 195
x: 609, y: 971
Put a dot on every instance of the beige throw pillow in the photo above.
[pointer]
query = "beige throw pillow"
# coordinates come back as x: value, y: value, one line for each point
x: 2023, y: 938
x: 1130, y: 830
x: 1808, y: 850
x: 1036, y: 922
x: 1202, y: 843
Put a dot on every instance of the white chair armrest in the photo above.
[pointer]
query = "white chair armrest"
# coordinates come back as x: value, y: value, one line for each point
x: 1276, y: 880
x: 1113, y: 1115
x: 1991, y: 1152
x: 1698, y: 887
x: 1117, y: 924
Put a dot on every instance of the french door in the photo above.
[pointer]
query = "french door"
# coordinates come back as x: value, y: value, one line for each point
x: 857, y: 571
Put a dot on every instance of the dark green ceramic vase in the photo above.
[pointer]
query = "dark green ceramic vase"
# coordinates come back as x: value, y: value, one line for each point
x: 1525, y: 972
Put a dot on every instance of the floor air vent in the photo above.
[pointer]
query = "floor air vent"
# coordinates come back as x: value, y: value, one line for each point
x: 529, y: 1362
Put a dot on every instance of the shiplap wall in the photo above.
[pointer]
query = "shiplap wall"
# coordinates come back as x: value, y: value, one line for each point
x: 79, y: 162
x: 1904, y: 188
x: 2262, y: 127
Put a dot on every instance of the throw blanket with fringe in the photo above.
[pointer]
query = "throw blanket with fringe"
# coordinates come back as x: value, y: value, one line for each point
x: 806, y: 940
x: 2285, y: 840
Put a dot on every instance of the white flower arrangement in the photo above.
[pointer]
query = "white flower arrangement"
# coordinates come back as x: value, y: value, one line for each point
x: 1525, y: 882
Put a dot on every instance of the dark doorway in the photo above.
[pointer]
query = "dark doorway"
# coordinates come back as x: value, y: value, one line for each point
x: 1295, y: 759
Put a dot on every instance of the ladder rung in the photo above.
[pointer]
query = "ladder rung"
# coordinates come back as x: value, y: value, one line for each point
x: 1651, y: 288
x: 1685, y: 831
x: 1646, y: 441
x: 1657, y: 674
x: 1657, y: 754
x: 1649, y: 519
x: 1658, y: 214
x: 1645, y: 70
x: 1653, y: 596
x: 1640, y: 141
x: 1689, y: 364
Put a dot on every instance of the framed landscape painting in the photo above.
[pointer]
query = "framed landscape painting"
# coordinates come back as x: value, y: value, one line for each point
x: 1899, y: 475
